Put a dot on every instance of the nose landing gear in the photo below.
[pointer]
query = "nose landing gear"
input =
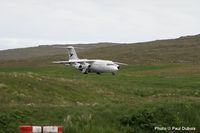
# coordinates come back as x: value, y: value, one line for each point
x: 98, y: 73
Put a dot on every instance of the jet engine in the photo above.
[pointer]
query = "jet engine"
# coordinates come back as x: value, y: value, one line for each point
x: 77, y: 66
x: 83, y: 67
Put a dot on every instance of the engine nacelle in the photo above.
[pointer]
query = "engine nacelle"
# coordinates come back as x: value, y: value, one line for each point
x: 82, y: 66
x: 77, y: 65
x: 85, y: 66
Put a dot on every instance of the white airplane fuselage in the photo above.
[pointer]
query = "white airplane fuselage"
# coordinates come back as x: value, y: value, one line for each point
x: 98, y: 66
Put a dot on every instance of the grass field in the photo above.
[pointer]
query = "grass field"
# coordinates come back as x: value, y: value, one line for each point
x: 136, y: 99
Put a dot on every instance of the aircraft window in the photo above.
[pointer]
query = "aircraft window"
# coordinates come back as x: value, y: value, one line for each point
x: 109, y: 64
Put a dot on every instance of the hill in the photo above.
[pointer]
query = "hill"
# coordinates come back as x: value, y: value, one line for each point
x: 183, y: 50
x: 153, y: 93
x: 174, y: 51
x: 44, y: 50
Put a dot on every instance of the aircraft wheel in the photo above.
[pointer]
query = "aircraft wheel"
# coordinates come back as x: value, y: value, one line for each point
x: 113, y: 73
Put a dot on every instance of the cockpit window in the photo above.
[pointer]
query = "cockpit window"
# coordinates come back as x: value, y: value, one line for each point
x: 109, y: 64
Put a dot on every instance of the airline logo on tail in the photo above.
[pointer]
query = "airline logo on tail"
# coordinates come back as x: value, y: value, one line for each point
x: 71, y: 54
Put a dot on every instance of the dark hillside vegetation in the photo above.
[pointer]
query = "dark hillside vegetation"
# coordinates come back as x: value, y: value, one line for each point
x: 184, y: 50
x: 45, y: 51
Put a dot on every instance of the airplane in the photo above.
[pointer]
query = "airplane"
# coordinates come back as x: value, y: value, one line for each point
x: 89, y: 66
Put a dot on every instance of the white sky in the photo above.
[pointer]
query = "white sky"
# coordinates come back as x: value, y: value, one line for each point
x: 26, y: 23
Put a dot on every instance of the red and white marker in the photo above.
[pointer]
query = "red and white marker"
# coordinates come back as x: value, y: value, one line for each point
x: 30, y: 129
x: 40, y: 129
x: 52, y: 129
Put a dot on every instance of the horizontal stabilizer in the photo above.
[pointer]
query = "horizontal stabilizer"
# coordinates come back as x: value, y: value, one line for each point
x: 118, y: 63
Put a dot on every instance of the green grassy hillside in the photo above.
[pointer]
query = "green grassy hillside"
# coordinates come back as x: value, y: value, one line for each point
x: 146, y: 96
x: 159, y: 87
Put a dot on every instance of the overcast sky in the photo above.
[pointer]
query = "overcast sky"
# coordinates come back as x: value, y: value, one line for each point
x: 26, y: 23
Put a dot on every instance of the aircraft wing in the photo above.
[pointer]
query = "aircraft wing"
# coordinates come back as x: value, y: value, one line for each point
x: 61, y: 62
x: 73, y: 61
x: 118, y: 63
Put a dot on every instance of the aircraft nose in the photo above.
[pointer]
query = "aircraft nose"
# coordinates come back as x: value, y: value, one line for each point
x: 115, y: 68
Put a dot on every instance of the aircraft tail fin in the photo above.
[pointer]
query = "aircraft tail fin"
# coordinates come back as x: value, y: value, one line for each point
x: 71, y: 52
